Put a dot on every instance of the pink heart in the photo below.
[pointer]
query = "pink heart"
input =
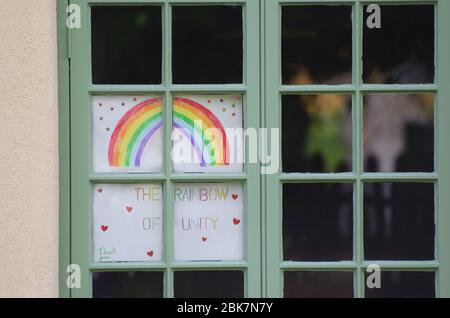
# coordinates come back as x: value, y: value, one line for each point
x: 234, y: 196
x: 105, y: 228
x: 129, y: 209
x: 236, y: 221
x: 150, y: 253
x: 100, y: 190
x: 204, y: 239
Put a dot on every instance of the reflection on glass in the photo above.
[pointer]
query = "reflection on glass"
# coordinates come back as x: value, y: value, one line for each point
x: 207, y: 44
x: 317, y: 133
x: 399, y: 132
x: 210, y: 284
x: 317, y: 222
x: 399, y: 221
x: 127, y: 285
x: 317, y: 45
x: 404, y: 285
x: 126, y: 45
x: 318, y: 284
x: 402, y: 50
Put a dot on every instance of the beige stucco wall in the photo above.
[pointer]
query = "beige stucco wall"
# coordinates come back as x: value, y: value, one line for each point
x: 28, y: 149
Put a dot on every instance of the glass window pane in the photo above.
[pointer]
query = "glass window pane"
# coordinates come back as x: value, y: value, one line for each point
x: 207, y: 135
x: 401, y: 51
x: 317, y: 45
x: 399, y: 132
x: 208, y: 222
x: 209, y: 284
x: 321, y: 284
x: 127, y: 133
x: 404, y: 285
x: 127, y: 285
x: 207, y: 44
x: 317, y: 133
x: 399, y: 221
x: 317, y: 222
x: 126, y: 45
x: 127, y: 223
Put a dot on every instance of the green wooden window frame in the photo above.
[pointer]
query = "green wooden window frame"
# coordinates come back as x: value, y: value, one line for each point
x: 262, y: 91
x: 274, y: 90
x: 82, y: 179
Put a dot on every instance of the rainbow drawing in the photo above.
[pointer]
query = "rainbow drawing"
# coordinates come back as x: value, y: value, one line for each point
x: 133, y: 132
x: 196, y: 122
x: 204, y: 130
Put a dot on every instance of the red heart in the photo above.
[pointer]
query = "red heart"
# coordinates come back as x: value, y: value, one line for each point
x: 105, y: 228
x: 129, y: 209
x: 234, y: 196
x: 204, y: 239
x: 100, y: 190
x: 150, y: 253
x: 236, y: 221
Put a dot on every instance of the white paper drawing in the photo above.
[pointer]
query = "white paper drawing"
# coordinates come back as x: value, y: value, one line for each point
x: 127, y: 134
x: 208, y: 222
x: 208, y: 134
x: 127, y: 223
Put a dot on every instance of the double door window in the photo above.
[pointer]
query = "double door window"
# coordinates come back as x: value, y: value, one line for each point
x: 258, y: 148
